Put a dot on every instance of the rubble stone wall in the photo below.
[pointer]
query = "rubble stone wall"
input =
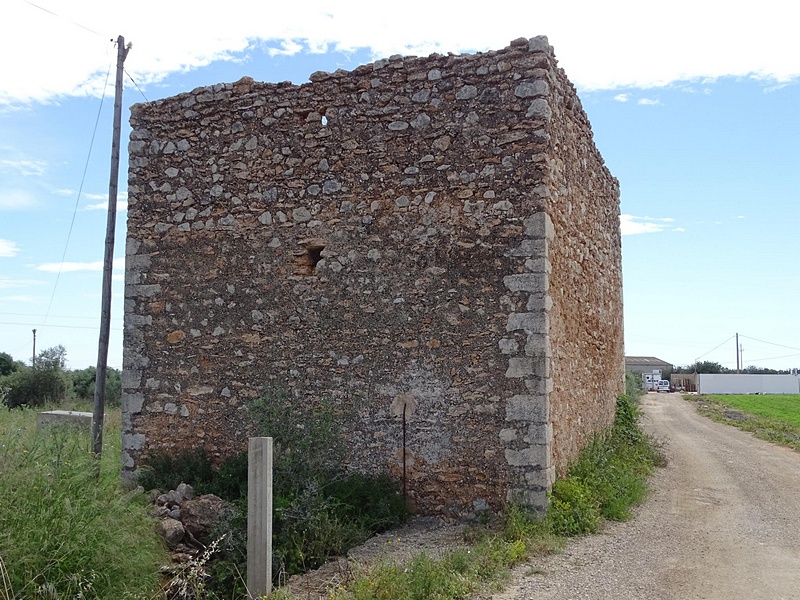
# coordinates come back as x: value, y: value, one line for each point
x: 585, y: 261
x: 385, y: 239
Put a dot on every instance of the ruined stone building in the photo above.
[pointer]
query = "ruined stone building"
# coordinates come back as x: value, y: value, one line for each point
x: 430, y: 240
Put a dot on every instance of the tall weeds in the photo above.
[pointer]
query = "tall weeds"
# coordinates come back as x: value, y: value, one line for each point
x: 67, y: 528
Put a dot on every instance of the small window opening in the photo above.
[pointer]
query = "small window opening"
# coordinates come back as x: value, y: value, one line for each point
x: 315, y: 255
x: 308, y: 258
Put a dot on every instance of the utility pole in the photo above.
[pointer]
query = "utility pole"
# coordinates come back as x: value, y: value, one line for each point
x: 737, y: 353
x: 105, y: 311
x: 33, y: 358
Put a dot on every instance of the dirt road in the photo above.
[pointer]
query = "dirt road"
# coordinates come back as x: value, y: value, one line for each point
x: 723, y: 523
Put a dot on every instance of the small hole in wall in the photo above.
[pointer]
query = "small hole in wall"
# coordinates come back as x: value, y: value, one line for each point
x: 315, y: 255
x: 324, y: 121
x: 307, y: 259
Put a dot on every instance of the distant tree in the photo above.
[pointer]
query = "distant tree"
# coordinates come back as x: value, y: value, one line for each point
x: 44, y: 383
x: 83, y: 383
x: 753, y: 369
x: 7, y: 364
x: 705, y: 366
x: 53, y: 359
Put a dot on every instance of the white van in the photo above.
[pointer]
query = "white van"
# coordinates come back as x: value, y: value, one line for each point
x: 662, y: 385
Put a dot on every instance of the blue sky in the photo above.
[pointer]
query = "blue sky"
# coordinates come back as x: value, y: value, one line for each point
x: 695, y: 108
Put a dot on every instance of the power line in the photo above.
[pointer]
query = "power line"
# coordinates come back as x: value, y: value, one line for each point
x: 50, y: 12
x: 710, y: 351
x: 52, y: 316
x: 774, y: 357
x: 770, y: 343
x: 60, y: 326
x: 136, y: 85
x: 78, y: 198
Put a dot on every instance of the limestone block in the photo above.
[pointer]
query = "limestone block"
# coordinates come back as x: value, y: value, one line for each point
x: 529, y: 322
x: 530, y: 408
x: 520, y: 367
x: 532, y: 456
x: 526, y: 282
x: 540, y: 226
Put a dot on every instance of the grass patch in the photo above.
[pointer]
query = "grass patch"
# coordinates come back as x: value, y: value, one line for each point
x: 607, y: 480
x: 775, y: 418
x: 63, y: 530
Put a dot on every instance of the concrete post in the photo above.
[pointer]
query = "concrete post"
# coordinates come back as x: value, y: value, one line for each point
x: 259, y: 517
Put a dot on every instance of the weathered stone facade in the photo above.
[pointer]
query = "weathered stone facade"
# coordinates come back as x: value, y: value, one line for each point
x: 435, y: 239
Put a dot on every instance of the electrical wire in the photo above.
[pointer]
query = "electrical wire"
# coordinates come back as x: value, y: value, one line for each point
x: 770, y: 343
x: 136, y: 85
x: 78, y: 198
x: 15, y: 314
x: 710, y: 351
x: 772, y: 357
x: 62, y: 326
x: 50, y: 12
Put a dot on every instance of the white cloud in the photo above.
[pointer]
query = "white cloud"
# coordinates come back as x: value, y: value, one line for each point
x: 631, y: 225
x: 8, y: 283
x: 16, y: 200
x: 8, y: 248
x: 588, y: 48
x: 71, y: 267
x: 648, y: 101
x: 122, y: 205
x: 20, y: 298
x: 122, y: 201
x: 680, y: 229
x: 621, y: 97
x: 288, y: 48
x: 24, y: 167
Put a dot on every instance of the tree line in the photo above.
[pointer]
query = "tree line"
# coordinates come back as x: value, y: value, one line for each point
x: 47, y: 381
x: 707, y: 366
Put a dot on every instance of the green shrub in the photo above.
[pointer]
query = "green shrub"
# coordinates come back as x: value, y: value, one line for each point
x: 83, y: 383
x: 35, y: 387
x: 633, y: 386
x: 164, y: 471
x: 572, y: 510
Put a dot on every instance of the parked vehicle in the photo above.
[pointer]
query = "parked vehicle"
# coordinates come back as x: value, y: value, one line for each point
x: 662, y: 386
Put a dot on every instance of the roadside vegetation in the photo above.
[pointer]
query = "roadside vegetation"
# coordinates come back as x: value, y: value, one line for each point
x: 775, y: 418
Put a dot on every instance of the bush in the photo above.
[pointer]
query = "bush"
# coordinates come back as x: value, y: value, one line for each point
x: 83, y: 384
x: 164, y: 471
x: 573, y: 509
x: 44, y: 383
x: 35, y: 387
x: 633, y: 386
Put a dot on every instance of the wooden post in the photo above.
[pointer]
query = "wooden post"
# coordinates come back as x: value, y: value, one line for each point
x: 259, y: 517
x: 105, y: 306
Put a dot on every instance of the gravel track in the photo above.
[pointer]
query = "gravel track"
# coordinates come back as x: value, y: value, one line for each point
x: 722, y: 523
